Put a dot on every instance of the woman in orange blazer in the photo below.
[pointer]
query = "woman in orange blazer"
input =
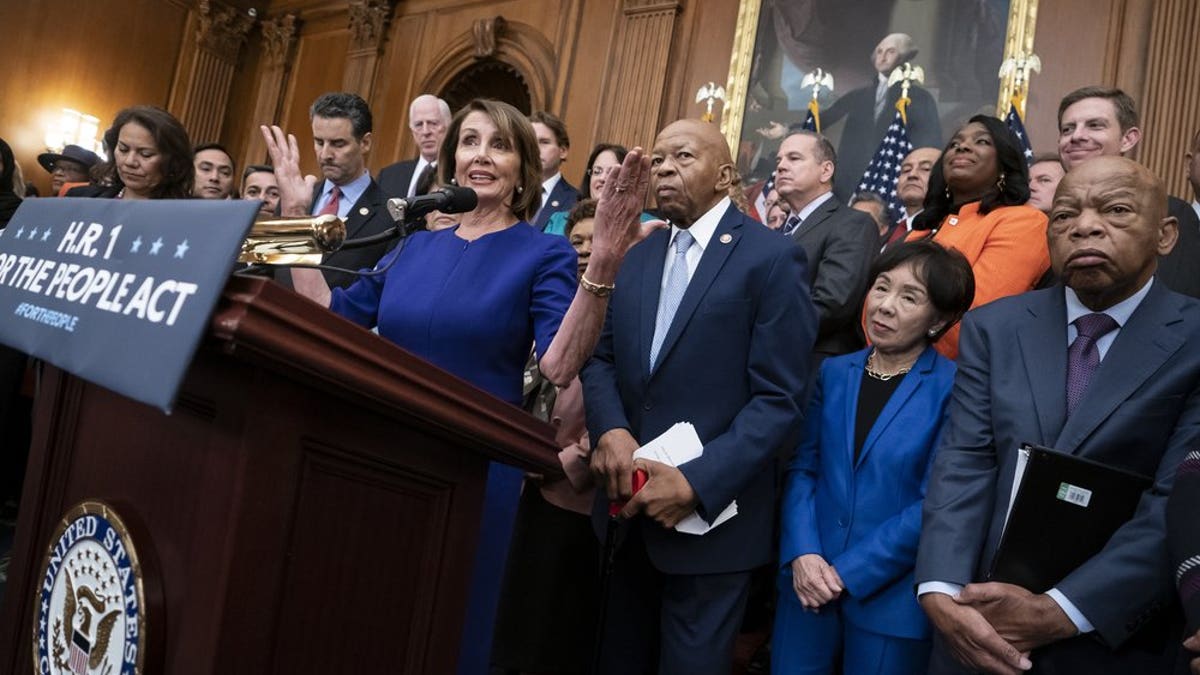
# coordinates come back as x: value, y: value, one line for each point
x: 976, y: 204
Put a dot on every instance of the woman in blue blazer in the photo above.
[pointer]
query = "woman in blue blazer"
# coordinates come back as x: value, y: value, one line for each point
x: 852, y: 499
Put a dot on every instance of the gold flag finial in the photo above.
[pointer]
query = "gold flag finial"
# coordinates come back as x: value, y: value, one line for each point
x: 906, y: 74
x: 1014, y: 73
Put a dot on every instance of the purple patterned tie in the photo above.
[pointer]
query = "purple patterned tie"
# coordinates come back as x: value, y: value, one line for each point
x: 1082, y: 357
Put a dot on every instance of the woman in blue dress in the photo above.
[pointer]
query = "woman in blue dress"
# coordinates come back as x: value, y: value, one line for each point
x: 473, y: 298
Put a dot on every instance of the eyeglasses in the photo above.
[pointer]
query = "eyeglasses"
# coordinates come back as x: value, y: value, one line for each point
x: 601, y: 170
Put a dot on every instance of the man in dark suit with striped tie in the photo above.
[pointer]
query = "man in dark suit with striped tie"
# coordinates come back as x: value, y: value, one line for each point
x: 341, y: 129
x: 839, y: 241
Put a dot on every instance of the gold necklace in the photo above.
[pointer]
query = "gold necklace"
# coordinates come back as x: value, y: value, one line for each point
x: 882, y: 377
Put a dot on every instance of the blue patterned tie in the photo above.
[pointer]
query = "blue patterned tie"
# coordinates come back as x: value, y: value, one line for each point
x: 672, y: 293
x: 791, y: 225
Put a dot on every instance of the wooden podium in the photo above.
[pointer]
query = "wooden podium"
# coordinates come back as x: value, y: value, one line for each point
x: 312, y: 502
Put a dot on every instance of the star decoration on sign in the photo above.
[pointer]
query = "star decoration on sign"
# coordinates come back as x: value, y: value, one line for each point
x: 33, y: 233
x: 136, y: 246
x: 181, y: 249
x: 155, y: 246
x: 46, y: 234
x: 20, y: 231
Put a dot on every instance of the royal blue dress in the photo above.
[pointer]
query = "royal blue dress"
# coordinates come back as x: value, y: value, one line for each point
x: 473, y: 308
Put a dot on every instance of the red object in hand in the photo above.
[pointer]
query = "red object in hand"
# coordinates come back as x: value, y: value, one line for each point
x: 639, y: 482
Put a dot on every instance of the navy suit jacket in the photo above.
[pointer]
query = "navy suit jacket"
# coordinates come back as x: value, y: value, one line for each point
x: 734, y: 363
x: 1140, y: 412
x: 840, y: 244
x: 368, y: 216
x: 561, y: 198
x: 864, y: 517
x: 394, y: 178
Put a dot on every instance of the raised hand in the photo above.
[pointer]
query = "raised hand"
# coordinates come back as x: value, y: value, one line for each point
x: 295, y: 189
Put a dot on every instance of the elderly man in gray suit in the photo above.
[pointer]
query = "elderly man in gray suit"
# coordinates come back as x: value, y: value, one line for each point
x: 1105, y: 366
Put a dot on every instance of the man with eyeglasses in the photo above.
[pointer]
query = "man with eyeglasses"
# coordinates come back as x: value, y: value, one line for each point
x: 428, y: 119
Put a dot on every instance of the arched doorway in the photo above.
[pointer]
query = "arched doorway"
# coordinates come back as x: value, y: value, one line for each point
x: 488, y: 78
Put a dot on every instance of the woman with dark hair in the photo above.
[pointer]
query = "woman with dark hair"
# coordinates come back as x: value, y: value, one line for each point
x: 9, y: 199
x: 851, y: 512
x: 976, y: 204
x: 150, y: 157
x: 605, y: 157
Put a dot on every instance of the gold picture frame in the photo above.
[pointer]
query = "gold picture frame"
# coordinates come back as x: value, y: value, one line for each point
x: 1019, y: 35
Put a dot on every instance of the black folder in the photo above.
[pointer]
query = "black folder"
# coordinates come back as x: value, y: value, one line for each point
x: 1065, y: 511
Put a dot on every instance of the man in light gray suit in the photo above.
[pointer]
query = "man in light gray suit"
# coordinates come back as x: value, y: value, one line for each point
x: 840, y: 242
x: 1126, y: 393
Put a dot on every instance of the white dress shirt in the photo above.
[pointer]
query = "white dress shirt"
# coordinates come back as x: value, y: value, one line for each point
x: 702, y: 230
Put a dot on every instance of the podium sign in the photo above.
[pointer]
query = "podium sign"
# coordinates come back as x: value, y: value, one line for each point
x: 117, y: 292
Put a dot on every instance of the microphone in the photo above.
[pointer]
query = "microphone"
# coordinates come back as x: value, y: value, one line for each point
x: 449, y: 199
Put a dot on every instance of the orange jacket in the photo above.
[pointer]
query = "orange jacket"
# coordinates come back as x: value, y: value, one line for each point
x: 1007, y: 250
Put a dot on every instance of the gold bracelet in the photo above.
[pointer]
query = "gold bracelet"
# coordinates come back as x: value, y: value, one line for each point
x: 598, y: 290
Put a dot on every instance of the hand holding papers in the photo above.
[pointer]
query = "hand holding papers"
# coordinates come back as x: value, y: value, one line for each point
x: 676, y: 446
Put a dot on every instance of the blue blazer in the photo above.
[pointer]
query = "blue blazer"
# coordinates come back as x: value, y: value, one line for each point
x: 864, y: 517
x: 561, y: 198
x: 1141, y: 412
x: 734, y: 363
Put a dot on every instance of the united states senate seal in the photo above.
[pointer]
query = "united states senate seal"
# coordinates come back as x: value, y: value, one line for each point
x: 89, y: 617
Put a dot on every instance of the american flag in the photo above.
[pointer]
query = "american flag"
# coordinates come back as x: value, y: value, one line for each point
x: 1013, y: 120
x: 80, y: 650
x: 883, y: 173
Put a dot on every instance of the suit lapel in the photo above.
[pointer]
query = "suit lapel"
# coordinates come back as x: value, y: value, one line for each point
x: 908, y: 386
x: 656, y: 245
x: 711, y: 263
x: 1043, y: 345
x: 853, y: 374
x: 1144, y: 344
x: 815, y: 218
x: 356, y: 219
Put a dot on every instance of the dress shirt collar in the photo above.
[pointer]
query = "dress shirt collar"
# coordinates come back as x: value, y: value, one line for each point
x: 549, y: 183
x: 704, y: 227
x: 350, y: 193
x: 807, y: 210
x: 1196, y: 207
x: 1120, y: 312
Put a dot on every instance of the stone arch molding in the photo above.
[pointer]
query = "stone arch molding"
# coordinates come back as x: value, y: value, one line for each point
x: 516, y: 44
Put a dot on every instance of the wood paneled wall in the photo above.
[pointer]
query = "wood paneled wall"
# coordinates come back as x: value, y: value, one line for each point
x: 615, y: 70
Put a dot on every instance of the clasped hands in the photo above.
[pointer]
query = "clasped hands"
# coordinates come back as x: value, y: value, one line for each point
x: 815, y: 581
x: 992, y: 627
x: 667, y: 497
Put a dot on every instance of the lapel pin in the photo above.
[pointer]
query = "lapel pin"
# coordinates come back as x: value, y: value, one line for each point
x: 363, y: 211
x: 554, y: 203
x: 726, y: 238
x: 953, y: 220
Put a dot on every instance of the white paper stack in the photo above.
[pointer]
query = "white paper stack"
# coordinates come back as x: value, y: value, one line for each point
x: 674, y: 447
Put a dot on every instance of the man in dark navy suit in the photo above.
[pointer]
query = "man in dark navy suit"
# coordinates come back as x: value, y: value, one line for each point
x: 711, y: 322
x: 553, y: 146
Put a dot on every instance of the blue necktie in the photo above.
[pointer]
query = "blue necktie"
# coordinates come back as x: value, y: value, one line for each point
x: 672, y: 293
x: 791, y: 225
